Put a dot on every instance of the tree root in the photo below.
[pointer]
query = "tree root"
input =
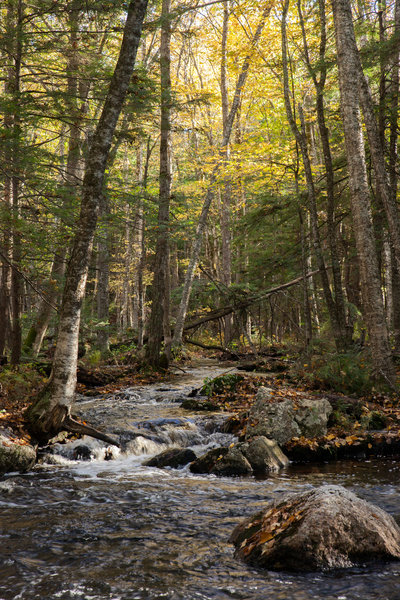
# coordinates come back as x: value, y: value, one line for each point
x: 73, y: 426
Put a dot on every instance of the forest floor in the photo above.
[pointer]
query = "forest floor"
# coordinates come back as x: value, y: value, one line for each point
x: 360, y: 425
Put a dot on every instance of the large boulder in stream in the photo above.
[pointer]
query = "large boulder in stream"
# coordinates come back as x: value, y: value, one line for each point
x: 288, y: 418
x: 172, y: 457
x: 324, y: 528
x: 263, y: 454
x: 259, y: 455
x: 224, y: 462
x: 15, y: 455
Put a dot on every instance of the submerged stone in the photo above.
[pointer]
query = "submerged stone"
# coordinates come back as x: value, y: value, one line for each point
x: 255, y: 456
x: 222, y: 462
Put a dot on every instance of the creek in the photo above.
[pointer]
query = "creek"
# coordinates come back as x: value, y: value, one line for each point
x: 116, y: 530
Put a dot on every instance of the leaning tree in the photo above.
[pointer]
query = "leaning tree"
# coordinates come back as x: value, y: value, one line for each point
x: 51, y: 411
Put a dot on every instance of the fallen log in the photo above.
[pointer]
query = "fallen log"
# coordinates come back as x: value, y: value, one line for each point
x: 237, y: 306
x: 211, y: 347
x: 84, y: 376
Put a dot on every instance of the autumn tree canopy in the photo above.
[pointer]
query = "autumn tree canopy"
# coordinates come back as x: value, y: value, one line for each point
x: 256, y: 146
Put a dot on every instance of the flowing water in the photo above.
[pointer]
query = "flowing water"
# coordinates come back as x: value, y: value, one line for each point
x: 117, y: 530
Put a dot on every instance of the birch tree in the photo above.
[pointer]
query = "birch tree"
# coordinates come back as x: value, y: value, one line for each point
x: 50, y: 413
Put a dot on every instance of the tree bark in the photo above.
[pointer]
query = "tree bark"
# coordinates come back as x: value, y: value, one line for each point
x: 339, y: 332
x: 201, y: 225
x: 344, y: 329
x: 159, y: 316
x: 103, y: 277
x: 14, y: 25
x: 70, y: 181
x: 226, y: 191
x: 392, y: 164
x: 47, y: 414
x: 359, y: 195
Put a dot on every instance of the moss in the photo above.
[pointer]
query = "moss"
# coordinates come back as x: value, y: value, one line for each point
x: 30, y: 338
x: 39, y: 406
x: 374, y: 420
x: 16, y: 458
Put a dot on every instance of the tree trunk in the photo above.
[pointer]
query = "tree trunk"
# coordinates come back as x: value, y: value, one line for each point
x: 339, y: 304
x: 375, y: 135
x: 140, y: 245
x: 378, y: 156
x: 226, y: 191
x: 103, y: 277
x: 49, y: 412
x: 70, y: 179
x: 201, y: 225
x: 14, y: 23
x: 359, y: 195
x: 306, y: 292
x: 159, y: 316
x: 392, y: 163
x: 300, y: 135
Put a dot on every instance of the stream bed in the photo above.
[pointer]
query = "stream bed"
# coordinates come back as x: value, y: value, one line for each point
x: 117, y: 530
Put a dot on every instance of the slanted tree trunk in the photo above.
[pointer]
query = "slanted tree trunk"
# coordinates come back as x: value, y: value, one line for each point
x: 50, y: 413
x: 201, y: 225
x: 373, y: 308
x: 159, y: 317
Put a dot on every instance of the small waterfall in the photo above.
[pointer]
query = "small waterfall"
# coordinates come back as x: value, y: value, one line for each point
x: 146, y: 421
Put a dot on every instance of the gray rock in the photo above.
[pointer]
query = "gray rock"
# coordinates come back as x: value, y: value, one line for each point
x: 82, y: 452
x: 259, y: 455
x: 275, y: 421
x: 173, y: 457
x: 325, y: 528
x: 281, y: 421
x: 233, y: 463
x: 200, y: 403
x: 264, y: 455
x: 222, y: 462
x: 14, y: 456
x: 312, y: 416
x: 264, y: 394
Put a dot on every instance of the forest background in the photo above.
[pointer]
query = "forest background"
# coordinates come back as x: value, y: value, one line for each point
x: 248, y: 197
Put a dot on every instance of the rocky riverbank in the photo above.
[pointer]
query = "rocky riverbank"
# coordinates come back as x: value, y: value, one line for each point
x: 307, y: 425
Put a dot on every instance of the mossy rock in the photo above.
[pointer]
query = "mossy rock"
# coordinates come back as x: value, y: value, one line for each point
x: 374, y: 420
x: 15, y: 456
x: 199, y: 404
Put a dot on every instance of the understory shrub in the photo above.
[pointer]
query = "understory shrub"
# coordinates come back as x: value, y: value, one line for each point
x: 221, y: 384
x: 348, y: 373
